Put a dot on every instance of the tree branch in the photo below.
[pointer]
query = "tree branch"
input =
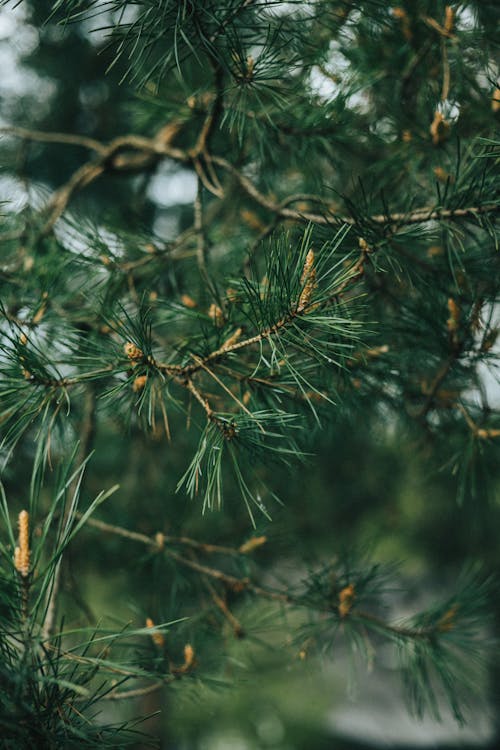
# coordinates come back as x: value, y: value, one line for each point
x: 146, y: 151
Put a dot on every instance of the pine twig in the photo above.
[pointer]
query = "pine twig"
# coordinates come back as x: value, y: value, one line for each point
x: 246, y: 584
x: 480, y: 432
x: 87, y: 432
x: 114, y: 158
x: 158, y: 540
x: 222, y: 605
x: 120, y: 695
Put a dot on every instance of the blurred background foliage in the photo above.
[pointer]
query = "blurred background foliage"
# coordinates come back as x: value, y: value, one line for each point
x: 333, y: 99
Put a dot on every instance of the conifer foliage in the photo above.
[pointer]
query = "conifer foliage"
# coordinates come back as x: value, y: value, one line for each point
x: 246, y: 241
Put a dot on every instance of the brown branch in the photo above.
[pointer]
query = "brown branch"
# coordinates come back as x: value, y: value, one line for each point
x: 113, y: 157
x: 246, y: 584
x: 221, y: 604
x: 159, y: 540
x: 145, y: 151
x: 234, y: 583
x: 60, y: 199
x: 439, y: 378
x: 223, y: 385
x: 199, y: 228
x: 416, y: 216
x: 198, y: 396
x: 356, y: 272
x: 398, y: 630
x: 119, y: 695
x: 445, y: 90
x: 480, y: 432
x: 41, y: 136
x: 441, y: 30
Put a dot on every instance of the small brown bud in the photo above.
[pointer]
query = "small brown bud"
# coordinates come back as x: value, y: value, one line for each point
x: 402, y: 17
x: 41, y: 310
x: 251, y: 544
x: 346, y: 598
x: 495, y: 100
x: 442, y: 175
x: 189, y: 661
x: 453, y: 320
x: 188, y: 656
x: 157, y: 637
x: 28, y: 263
x: 434, y: 250
x: 133, y: 352
x: 188, y: 301
x: 485, y: 434
x: 252, y: 220
x: 216, y: 314
x: 377, y: 351
x: 446, y: 622
x: 232, y: 339
x: 139, y: 383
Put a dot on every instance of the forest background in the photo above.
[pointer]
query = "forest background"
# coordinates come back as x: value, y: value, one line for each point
x: 249, y: 286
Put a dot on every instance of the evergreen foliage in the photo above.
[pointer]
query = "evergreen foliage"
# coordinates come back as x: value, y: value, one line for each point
x: 249, y: 298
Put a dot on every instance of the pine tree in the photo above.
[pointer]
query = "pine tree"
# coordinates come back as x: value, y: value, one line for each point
x: 248, y: 400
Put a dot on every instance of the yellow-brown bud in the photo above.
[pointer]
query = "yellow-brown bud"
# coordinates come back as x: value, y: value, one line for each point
x: 253, y: 543
x: 346, y: 598
x: 495, y: 100
x: 453, y: 320
x: 22, y: 552
x: 232, y: 339
x: 216, y: 314
x: 307, y: 282
x: 442, y: 175
x: 188, y: 301
x: 133, y: 352
x: 157, y: 637
x: 402, y: 17
x: 188, y: 656
x: 139, y: 383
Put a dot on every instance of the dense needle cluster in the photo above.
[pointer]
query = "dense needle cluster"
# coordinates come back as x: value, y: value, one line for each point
x: 249, y: 286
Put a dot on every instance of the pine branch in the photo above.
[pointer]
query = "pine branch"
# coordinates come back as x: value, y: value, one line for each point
x: 87, y: 433
x: 113, y: 158
x: 240, y: 585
